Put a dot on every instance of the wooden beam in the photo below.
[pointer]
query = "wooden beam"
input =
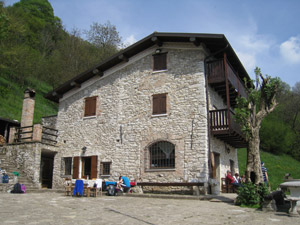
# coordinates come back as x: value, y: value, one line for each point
x: 123, y: 58
x: 75, y: 84
x: 157, y: 41
x: 194, y: 41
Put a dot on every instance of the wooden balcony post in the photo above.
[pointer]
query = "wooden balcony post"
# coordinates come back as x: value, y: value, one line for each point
x: 37, y: 132
x: 227, y: 88
x: 12, y: 133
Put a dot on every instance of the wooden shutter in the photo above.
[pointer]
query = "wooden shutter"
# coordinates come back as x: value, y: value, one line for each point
x: 94, y: 162
x: 76, y: 168
x: 160, y: 62
x: 90, y: 106
x: 159, y: 104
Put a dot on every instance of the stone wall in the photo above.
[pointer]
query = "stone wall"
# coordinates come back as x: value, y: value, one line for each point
x: 26, y: 158
x: 124, y: 127
x: 49, y: 121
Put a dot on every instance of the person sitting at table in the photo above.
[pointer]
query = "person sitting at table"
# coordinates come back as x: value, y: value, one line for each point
x: 123, y: 184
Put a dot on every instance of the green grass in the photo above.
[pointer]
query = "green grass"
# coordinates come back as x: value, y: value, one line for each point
x: 11, y: 100
x: 277, y: 166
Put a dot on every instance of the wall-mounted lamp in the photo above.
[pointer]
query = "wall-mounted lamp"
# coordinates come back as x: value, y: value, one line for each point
x: 83, y: 149
x: 157, y: 51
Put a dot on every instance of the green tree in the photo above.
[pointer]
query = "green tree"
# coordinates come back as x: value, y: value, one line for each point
x: 250, y: 114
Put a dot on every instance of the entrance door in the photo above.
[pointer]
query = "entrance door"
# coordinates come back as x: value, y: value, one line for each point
x: 46, y: 169
x: 216, y: 165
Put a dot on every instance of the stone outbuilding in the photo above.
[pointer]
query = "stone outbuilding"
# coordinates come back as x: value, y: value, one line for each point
x: 160, y: 110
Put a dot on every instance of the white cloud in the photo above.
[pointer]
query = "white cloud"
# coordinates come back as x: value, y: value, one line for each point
x: 249, y: 47
x: 130, y: 40
x: 247, y: 59
x: 290, y: 50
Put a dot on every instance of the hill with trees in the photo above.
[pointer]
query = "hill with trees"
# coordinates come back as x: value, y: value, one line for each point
x: 37, y: 52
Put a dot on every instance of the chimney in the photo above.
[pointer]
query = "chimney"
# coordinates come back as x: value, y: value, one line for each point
x: 28, y: 108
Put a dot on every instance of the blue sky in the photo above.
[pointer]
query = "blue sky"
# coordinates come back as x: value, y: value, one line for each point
x: 263, y: 33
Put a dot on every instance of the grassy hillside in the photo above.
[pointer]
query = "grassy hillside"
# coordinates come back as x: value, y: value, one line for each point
x: 11, y: 100
x: 277, y: 166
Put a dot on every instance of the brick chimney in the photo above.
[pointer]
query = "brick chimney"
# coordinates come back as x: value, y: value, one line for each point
x: 28, y: 108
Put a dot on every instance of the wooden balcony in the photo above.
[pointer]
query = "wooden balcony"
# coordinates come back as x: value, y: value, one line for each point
x: 220, y: 70
x: 224, y: 127
x: 35, y: 133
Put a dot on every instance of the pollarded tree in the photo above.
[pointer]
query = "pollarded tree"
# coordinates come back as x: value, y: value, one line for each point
x: 250, y: 114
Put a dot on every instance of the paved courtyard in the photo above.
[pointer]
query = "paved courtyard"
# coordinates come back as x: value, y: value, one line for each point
x: 55, y: 208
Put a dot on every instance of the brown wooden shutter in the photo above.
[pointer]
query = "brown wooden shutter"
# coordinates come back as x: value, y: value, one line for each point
x: 94, y: 162
x: 159, y: 104
x: 90, y: 106
x: 155, y: 104
x: 76, y: 167
x: 160, y: 62
x: 163, y: 104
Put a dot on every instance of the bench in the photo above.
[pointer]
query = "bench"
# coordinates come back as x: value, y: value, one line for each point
x: 227, y: 187
x: 171, y: 184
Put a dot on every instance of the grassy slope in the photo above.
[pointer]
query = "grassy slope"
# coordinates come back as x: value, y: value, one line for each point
x: 277, y: 166
x: 11, y: 100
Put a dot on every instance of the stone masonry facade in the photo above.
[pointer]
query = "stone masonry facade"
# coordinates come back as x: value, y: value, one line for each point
x: 123, y: 128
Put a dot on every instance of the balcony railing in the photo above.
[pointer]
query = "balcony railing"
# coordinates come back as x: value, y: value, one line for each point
x: 224, y: 127
x: 37, y: 132
x: 216, y: 74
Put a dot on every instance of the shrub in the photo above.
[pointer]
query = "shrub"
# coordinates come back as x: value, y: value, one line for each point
x: 251, y: 195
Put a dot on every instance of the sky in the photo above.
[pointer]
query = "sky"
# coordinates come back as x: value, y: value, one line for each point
x: 263, y: 33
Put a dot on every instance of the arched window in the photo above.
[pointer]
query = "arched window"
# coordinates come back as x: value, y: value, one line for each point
x: 162, y: 155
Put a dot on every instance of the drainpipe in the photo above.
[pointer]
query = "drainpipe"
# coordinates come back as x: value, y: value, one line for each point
x: 207, y: 105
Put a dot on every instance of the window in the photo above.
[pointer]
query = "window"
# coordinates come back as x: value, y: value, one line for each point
x: 162, y: 155
x: 231, y: 167
x: 68, y: 165
x: 160, y: 62
x: 90, y: 106
x: 159, y: 104
x: 85, y: 166
x: 105, y: 168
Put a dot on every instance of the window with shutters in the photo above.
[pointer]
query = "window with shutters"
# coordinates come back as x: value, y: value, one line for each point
x: 90, y: 106
x: 105, y: 168
x: 84, y: 167
x: 162, y: 155
x: 160, y: 62
x: 159, y: 102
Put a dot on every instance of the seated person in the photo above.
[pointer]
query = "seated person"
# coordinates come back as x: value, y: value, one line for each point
x: 123, y: 183
x: 237, y: 179
x: 232, y: 180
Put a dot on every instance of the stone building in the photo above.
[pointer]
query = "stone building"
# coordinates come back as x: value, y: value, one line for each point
x: 160, y: 110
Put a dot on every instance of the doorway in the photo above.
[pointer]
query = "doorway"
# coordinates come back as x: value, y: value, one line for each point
x: 46, y: 169
x: 216, y: 166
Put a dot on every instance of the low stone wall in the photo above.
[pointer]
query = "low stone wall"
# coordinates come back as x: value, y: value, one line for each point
x: 6, y: 187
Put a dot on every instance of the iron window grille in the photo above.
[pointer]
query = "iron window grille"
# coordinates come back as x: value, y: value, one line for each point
x: 105, y: 168
x: 162, y: 155
x: 68, y: 165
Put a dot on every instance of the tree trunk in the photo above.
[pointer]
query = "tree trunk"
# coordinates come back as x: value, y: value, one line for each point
x: 253, y: 169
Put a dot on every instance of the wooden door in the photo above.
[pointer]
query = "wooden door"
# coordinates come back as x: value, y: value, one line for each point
x: 76, y: 167
x: 94, y: 163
